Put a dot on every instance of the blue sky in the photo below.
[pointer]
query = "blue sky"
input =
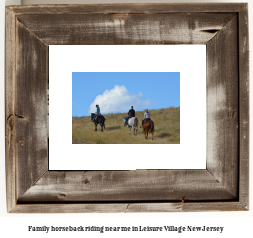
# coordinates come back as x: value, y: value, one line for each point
x: 117, y: 92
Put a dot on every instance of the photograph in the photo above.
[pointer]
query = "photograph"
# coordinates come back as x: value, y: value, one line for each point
x: 89, y: 87
x: 126, y: 108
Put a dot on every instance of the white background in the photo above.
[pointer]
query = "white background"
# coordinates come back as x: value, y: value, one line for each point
x: 190, y: 61
x: 237, y: 224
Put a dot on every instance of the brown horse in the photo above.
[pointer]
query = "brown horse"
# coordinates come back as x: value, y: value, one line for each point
x: 148, y: 125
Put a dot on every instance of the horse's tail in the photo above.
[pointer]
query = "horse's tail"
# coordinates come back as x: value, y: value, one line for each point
x: 152, y: 126
x: 136, y: 122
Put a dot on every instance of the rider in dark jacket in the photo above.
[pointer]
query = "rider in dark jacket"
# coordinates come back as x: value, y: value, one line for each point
x: 131, y: 113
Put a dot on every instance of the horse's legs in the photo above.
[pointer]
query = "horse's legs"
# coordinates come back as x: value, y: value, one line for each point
x: 129, y: 130
x: 95, y: 126
x: 144, y: 133
x: 101, y: 124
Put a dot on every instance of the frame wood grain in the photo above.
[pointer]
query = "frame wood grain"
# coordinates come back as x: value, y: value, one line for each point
x: 222, y: 186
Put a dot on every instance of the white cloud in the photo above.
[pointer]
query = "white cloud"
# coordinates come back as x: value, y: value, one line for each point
x: 118, y: 99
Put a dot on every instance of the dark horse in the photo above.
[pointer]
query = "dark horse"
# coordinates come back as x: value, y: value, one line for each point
x: 99, y: 120
x: 148, y: 125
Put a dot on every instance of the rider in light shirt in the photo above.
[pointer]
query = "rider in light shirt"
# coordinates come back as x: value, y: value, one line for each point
x: 146, y: 116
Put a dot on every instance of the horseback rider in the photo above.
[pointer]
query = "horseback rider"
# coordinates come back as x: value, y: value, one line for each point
x: 146, y: 117
x: 131, y: 113
x: 97, y: 113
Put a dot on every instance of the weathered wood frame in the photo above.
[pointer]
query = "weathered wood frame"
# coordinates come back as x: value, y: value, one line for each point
x: 222, y: 186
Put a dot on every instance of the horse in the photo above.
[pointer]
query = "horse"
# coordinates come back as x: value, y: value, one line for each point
x: 132, y: 123
x: 99, y: 120
x: 148, y: 125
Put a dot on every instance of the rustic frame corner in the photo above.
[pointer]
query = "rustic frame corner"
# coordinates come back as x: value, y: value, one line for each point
x: 223, y: 186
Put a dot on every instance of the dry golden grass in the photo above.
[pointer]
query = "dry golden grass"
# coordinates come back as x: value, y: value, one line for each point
x: 166, y: 121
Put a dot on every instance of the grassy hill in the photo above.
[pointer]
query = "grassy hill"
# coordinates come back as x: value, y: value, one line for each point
x: 166, y: 121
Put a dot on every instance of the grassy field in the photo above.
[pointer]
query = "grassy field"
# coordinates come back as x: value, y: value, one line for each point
x: 166, y: 121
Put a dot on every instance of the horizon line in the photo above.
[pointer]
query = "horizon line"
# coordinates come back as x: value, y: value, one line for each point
x: 127, y: 112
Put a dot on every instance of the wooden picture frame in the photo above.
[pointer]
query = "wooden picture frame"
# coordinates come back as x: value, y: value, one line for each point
x: 222, y: 186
